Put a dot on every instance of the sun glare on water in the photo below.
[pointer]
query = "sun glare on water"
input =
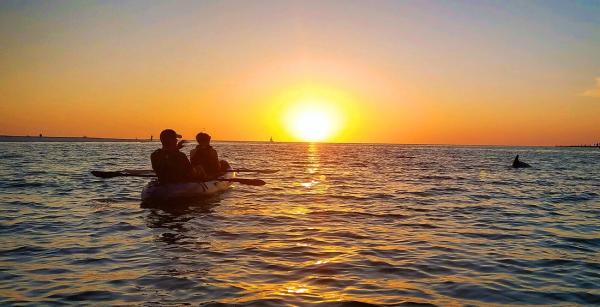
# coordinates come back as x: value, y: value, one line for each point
x: 312, y: 122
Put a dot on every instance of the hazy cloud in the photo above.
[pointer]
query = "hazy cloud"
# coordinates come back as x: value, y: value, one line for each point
x: 594, y: 92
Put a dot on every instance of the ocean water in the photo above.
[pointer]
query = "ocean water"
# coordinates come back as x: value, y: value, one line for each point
x: 338, y: 225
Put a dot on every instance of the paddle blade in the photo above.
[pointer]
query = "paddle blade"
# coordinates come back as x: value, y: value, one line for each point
x: 102, y: 174
x: 254, y: 182
x: 262, y: 171
x: 268, y: 171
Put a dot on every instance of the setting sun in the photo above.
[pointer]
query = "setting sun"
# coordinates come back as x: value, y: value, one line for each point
x: 312, y: 125
x: 312, y: 121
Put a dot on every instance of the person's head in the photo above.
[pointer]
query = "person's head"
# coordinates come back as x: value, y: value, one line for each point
x: 203, y: 138
x: 168, y: 138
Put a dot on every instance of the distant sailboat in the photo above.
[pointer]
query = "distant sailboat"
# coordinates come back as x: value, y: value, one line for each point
x: 271, y: 140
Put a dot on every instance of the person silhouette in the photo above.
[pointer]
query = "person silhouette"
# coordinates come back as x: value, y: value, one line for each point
x: 205, y: 160
x: 170, y: 164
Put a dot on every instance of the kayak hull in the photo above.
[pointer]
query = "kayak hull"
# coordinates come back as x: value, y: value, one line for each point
x: 153, y: 191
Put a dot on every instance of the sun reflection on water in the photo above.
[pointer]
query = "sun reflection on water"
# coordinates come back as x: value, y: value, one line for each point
x: 315, y: 180
x: 296, y: 289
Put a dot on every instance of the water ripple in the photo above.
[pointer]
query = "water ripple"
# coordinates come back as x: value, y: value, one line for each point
x: 339, y: 225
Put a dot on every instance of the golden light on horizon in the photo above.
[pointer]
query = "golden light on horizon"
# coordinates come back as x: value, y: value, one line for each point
x: 313, y: 121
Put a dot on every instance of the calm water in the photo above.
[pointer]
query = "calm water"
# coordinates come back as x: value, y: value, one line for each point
x: 339, y: 224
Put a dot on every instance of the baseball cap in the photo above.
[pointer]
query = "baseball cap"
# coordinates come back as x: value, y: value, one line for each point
x: 169, y: 133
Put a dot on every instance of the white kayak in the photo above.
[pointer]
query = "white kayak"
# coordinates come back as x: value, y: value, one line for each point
x: 154, y: 191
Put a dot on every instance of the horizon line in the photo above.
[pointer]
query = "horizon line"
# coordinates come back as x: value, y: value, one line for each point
x: 290, y: 142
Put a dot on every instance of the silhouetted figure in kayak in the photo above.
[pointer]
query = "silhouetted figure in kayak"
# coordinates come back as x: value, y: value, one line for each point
x: 205, y: 160
x: 519, y: 164
x: 170, y: 164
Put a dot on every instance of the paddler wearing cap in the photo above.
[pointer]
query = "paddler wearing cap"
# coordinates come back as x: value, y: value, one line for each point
x: 170, y: 164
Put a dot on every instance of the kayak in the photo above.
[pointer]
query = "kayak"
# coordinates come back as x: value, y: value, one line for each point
x: 154, y: 191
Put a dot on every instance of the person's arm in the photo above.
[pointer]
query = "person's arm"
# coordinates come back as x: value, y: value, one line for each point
x: 211, y: 161
x: 215, y: 160
x: 199, y: 172
x: 192, y: 154
x: 157, y: 164
x: 187, y: 167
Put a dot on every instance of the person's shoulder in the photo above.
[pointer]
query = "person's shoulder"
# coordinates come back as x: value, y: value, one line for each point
x: 156, y: 155
x: 156, y: 152
x: 181, y: 154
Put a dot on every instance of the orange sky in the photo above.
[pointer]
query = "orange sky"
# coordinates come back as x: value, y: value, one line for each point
x: 411, y: 72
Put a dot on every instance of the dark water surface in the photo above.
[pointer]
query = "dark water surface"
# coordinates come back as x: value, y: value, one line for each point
x: 379, y: 224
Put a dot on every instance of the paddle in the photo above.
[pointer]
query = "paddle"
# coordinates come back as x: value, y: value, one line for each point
x: 261, y: 171
x: 101, y: 174
x: 241, y: 170
x: 255, y: 182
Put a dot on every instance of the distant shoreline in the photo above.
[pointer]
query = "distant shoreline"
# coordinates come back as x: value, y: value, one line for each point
x: 25, y: 138
x: 580, y: 146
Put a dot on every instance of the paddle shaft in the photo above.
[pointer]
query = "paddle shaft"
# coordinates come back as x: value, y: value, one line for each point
x: 256, y: 182
x: 242, y: 170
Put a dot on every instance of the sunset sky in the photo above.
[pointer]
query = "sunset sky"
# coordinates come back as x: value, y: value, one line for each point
x: 452, y: 72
